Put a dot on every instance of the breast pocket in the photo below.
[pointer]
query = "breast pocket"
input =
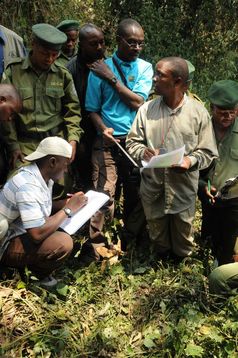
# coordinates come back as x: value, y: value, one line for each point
x: 190, y: 141
x: 54, y: 98
x: 27, y: 99
x: 234, y: 153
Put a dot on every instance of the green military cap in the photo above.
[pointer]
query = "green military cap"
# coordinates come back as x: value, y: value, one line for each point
x: 49, y: 36
x: 224, y: 94
x: 68, y: 25
x: 191, y: 70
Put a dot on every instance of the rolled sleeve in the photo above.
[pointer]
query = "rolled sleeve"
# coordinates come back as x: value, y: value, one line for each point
x: 144, y: 83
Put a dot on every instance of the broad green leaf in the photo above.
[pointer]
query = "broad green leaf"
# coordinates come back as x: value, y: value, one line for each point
x: 62, y: 289
x: 148, y: 342
x: 194, y: 350
x: 116, y: 270
x: 21, y: 285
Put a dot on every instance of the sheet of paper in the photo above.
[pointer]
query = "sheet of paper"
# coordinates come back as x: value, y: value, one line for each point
x: 174, y: 157
x: 95, y: 201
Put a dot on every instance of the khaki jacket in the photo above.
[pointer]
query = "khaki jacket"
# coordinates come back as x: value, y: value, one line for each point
x: 50, y: 103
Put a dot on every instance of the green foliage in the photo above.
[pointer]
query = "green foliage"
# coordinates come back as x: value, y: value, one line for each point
x: 205, y: 32
x: 130, y: 309
x: 123, y: 311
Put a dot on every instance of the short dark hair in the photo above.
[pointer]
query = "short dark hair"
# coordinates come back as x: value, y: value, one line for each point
x: 179, y: 67
x: 86, y: 29
x: 125, y: 24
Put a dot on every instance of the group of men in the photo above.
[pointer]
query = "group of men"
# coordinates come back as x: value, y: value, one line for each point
x: 54, y: 81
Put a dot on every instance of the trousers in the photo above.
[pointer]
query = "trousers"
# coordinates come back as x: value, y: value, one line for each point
x: 220, y: 226
x: 224, y: 279
x: 172, y: 232
x: 110, y: 165
x: 41, y: 258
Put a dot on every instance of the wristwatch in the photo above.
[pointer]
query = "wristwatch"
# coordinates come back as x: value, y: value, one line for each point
x: 113, y: 80
x: 68, y: 212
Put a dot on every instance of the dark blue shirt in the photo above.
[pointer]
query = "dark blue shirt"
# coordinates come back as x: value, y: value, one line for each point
x: 2, y: 42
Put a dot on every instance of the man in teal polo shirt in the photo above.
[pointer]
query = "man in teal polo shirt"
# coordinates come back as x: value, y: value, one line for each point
x: 117, y: 87
x: 220, y: 209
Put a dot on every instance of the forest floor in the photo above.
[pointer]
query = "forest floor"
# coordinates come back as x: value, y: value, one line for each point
x: 121, y: 307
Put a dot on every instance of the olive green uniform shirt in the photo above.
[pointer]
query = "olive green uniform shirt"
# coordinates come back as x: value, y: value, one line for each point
x: 164, y: 191
x: 50, y: 105
x: 63, y: 59
x: 226, y: 166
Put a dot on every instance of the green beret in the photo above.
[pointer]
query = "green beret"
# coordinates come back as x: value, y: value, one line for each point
x: 68, y: 25
x: 49, y: 36
x: 191, y: 70
x: 224, y: 94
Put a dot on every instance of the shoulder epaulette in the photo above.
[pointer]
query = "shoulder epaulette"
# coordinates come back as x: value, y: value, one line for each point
x: 58, y: 64
x: 15, y: 60
x: 152, y: 95
x: 194, y: 96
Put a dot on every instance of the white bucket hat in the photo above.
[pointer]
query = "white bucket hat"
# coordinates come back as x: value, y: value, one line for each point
x: 51, y: 146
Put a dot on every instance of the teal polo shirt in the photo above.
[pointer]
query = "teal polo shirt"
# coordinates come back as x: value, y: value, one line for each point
x: 101, y: 97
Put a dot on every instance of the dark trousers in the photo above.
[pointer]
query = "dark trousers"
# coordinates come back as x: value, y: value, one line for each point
x: 82, y: 166
x: 110, y: 165
x: 220, y: 225
x: 41, y: 258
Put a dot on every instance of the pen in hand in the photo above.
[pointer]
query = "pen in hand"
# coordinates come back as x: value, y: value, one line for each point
x: 211, y: 189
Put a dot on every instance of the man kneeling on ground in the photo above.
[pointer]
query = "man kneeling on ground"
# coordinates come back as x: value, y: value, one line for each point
x: 34, y: 238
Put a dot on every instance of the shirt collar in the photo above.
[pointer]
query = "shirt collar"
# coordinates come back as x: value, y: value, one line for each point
x: 181, y: 104
x: 34, y: 170
x: 124, y: 63
x: 66, y: 56
x: 27, y: 63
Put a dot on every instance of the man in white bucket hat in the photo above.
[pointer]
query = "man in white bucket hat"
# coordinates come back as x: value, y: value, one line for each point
x: 34, y: 238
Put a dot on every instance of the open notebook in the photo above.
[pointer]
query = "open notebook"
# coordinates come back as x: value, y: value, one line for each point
x: 95, y: 201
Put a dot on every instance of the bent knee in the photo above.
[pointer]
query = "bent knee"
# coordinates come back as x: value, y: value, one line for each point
x: 61, y: 245
x: 66, y: 243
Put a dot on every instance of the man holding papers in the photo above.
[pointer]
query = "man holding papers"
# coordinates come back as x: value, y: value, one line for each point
x: 34, y: 238
x: 117, y: 87
x: 163, y: 125
x: 220, y: 201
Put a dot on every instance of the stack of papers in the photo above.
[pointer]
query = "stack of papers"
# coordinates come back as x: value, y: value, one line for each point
x: 175, y: 157
x: 95, y: 201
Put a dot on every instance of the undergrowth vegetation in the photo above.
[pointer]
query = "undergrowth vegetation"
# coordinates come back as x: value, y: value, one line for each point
x: 132, y: 308
x: 129, y: 309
